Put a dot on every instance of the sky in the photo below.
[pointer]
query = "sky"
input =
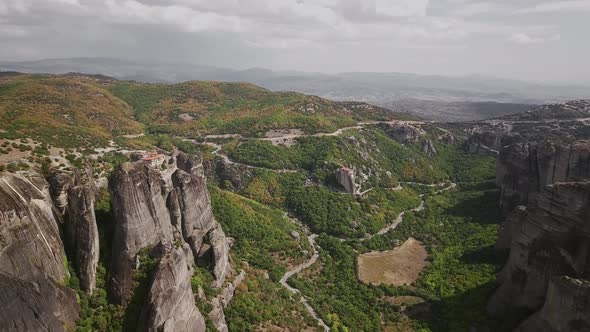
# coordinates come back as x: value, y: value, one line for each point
x: 533, y: 40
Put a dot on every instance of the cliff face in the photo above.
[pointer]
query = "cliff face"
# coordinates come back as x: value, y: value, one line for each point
x: 565, y: 308
x: 83, y: 234
x: 31, y: 245
x: 553, y: 239
x: 153, y: 208
x: 32, y: 259
x: 141, y: 220
x: 402, y: 133
x: 549, y: 239
x: 523, y: 169
x: 347, y: 179
x: 171, y: 302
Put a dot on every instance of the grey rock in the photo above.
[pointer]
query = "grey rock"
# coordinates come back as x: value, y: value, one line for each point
x: 32, y: 259
x: 141, y: 220
x: 523, y: 169
x: 42, y: 305
x: 171, y: 302
x: 29, y: 233
x: 428, y: 148
x: 402, y: 133
x: 565, y: 309
x: 347, y: 179
x: 552, y: 240
x: 83, y: 234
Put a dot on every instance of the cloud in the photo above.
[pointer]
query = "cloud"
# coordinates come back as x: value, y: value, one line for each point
x: 523, y: 38
x: 559, y: 6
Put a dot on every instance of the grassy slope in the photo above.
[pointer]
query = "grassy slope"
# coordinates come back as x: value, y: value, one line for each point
x: 69, y: 111
x: 237, y: 108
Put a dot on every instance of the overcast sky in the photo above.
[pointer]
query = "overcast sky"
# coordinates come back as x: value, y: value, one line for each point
x: 540, y: 40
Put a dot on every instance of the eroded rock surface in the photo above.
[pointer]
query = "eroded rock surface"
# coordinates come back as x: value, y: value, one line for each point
x: 347, y: 179
x: 523, y: 169
x: 171, y: 302
x: 553, y: 240
x: 32, y: 258
x: 402, y: 133
x: 41, y: 305
x: 565, y: 309
x: 81, y: 224
x: 141, y: 220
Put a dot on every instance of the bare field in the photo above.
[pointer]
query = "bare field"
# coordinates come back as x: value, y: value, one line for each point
x: 397, y: 267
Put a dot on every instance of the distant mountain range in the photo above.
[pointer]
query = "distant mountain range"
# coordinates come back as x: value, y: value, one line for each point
x: 434, y: 97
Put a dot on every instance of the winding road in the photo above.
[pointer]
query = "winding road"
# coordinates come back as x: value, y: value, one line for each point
x: 311, y: 238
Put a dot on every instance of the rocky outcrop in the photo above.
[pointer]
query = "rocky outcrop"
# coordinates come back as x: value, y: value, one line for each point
x: 32, y: 259
x: 428, y: 148
x: 523, y: 169
x: 402, y: 133
x: 29, y: 233
x: 59, y: 184
x: 150, y: 206
x: 40, y: 305
x: 83, y: 234
x: 566, y: 308
x: 194, y: 206
x: 346, y: 178
x: 217, y: 315
x: 220, y: 245
x: 197, y: 222
x: 171, y: 302
x: 236, y: 174
x: 141, y: 220
x: 484, y: 143
x: 552, y: 240
x: 510, y: 226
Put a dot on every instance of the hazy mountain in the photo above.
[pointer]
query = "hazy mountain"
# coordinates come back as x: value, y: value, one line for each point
x: 436, y: 97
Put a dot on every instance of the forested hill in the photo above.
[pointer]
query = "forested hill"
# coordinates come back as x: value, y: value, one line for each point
x: 90, y: 110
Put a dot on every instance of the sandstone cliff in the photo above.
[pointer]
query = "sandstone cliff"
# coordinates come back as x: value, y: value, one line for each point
x: 141, y: 220
x: 523, y: 169
x: 565, y: 309
x: 171, y: 302
x: 32, y: 258
x: 83, y: 234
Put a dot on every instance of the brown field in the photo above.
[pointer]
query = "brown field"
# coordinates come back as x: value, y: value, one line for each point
x: 397, y: 267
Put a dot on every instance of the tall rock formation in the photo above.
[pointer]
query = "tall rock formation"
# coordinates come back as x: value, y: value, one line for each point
x: 402, y: 133
x: 197, y: 222
x: 523, y: 169
x: 83, y: 234
x: 32, y: 258
x: 141, y: 220
x: 171, y: 302
x: 549, y: 240
x: 565, y: 308
x: 552, y: 240
x: 346, y: 178
x: 152, y: 206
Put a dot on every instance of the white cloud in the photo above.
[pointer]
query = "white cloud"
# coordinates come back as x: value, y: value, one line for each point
x: 401, y: 8
x: 523, y: 38
x: 559, y: 6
